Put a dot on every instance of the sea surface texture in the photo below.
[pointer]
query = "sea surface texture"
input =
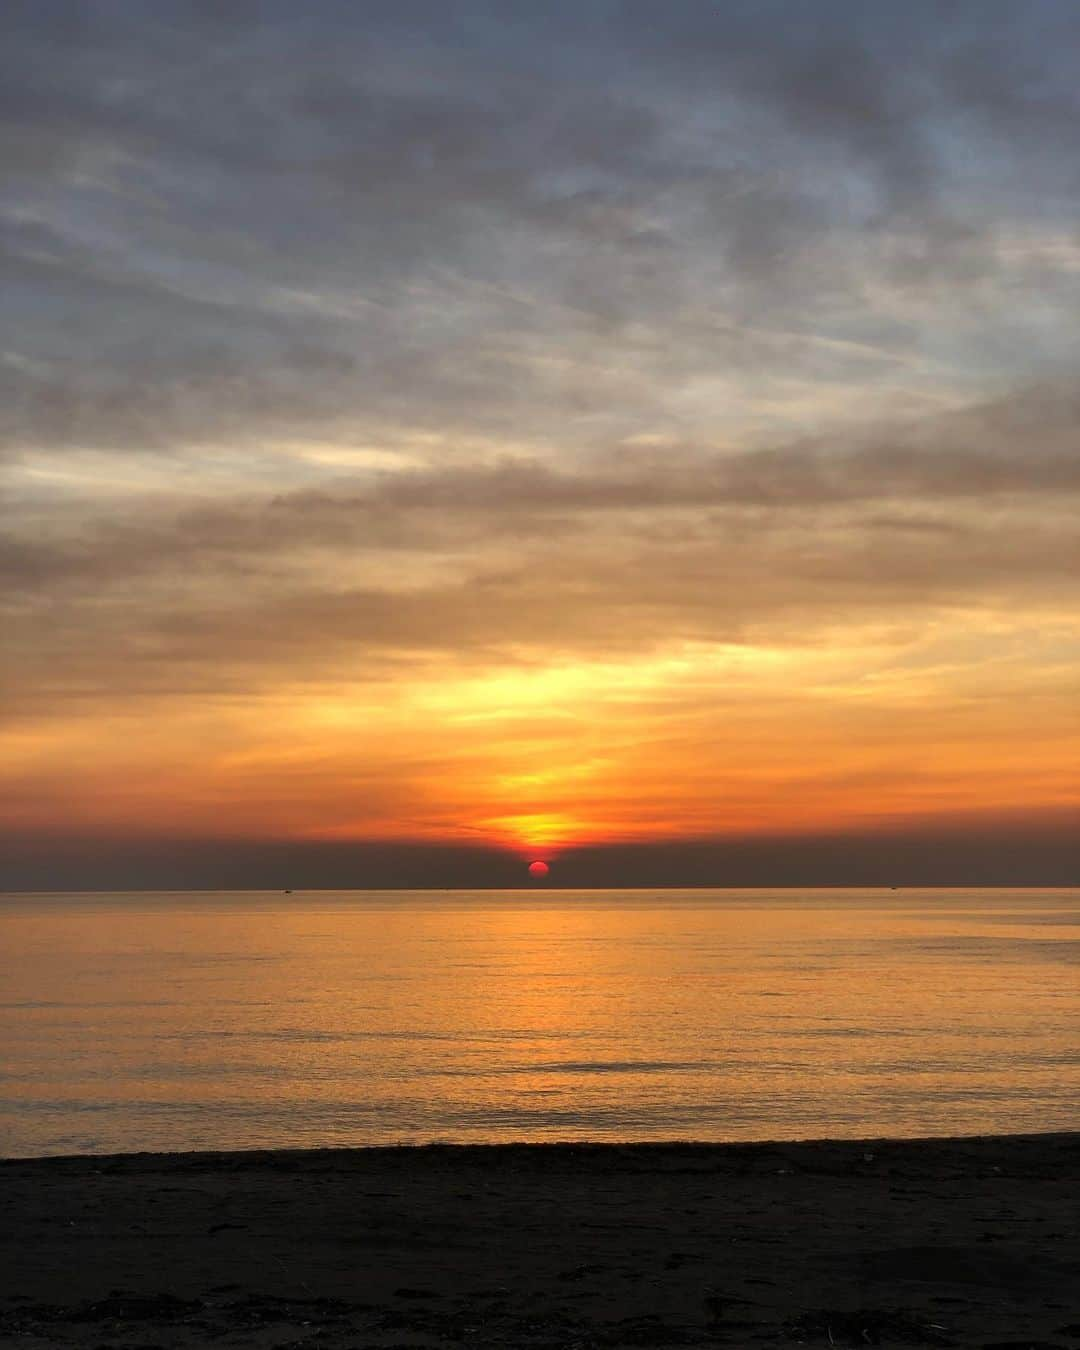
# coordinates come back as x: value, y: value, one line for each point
x: 161, y: 1021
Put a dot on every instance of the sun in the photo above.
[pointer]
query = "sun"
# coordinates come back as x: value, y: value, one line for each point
x: 538, y: 869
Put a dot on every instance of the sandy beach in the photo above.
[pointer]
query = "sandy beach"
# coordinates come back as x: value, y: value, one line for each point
x: 968, y: 1242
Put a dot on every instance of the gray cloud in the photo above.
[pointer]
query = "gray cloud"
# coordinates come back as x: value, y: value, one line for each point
x: 998, y: 454
x: 441, y: 198
x: 613, y: 282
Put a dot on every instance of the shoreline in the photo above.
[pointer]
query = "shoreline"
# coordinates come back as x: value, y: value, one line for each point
x: 455, y: 1146
x: 963, y: 1240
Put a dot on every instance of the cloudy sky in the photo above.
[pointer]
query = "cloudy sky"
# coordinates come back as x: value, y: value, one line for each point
x: 599, y: 430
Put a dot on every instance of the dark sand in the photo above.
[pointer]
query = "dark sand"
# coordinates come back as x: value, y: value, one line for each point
x: 969, y: 1242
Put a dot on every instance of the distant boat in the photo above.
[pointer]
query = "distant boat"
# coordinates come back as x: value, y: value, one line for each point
x: 286, y: 892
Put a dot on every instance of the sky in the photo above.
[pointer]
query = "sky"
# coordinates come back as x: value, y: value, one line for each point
x: 639, y: 436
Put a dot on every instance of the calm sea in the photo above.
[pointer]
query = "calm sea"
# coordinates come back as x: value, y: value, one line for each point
x: 244, y: 1019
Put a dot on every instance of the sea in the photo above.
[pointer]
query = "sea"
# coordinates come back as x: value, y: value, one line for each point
x: 160, y: 1021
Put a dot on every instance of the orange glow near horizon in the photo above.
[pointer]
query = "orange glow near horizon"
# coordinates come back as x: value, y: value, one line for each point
x: 704, y: 742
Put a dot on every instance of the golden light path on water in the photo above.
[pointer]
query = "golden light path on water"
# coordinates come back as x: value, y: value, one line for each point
x: 185, y: 1020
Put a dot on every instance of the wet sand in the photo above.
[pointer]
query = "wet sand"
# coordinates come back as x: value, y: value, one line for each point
x: 968, y: 1242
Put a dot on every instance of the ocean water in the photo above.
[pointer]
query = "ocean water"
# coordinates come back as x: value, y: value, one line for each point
x: 159, y: 1021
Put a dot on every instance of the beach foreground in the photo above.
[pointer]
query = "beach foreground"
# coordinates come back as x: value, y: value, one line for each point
x: 968, y: 1242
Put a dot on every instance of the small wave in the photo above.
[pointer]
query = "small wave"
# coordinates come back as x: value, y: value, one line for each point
x: 616, y: 1066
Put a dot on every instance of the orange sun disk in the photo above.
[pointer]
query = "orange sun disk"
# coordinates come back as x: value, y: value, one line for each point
x: 538, y: 869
